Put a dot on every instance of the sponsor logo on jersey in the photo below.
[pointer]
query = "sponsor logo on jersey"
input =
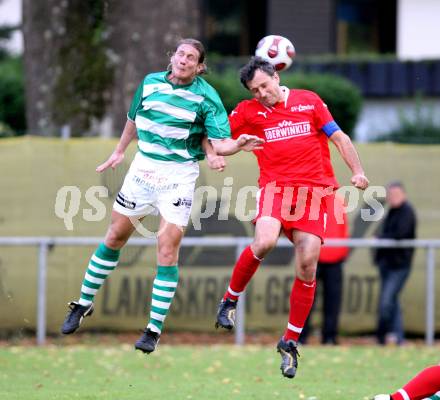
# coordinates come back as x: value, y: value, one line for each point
x: 151, y: 176
x: 287, y: 130
x: 263, y: 113
x: 302, y: 107
x: 154, y: 185
x: 124, y: 202
x: 182, y: 202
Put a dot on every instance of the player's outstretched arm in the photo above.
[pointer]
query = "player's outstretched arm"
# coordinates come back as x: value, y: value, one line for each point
x: 128, y: 134
x: 227, y: 147
x: 214, y: 160
x: 349, y: 154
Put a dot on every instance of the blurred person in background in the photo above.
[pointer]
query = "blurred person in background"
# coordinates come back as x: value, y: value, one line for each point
x: 330, y: 272
x: 424, y: 386
x: 394, y: 263
x: 295, y: 174
x: 172, y: 115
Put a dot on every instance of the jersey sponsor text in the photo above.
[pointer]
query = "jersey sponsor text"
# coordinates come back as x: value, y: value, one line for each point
x: 287, y: 130
x: 302, y: 107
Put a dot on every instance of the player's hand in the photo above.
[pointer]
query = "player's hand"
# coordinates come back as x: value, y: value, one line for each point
x: 216, y: 162
x: 360, y: 181
x: 249, y: 142
x: 114, y: 160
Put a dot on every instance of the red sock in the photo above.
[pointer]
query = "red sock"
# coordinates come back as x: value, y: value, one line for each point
x: 301, y: 301
x: 423, y: 385
x: 244, y: 269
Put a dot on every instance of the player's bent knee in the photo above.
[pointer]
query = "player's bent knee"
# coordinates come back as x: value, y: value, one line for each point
x: 306, y: 269
x: 309, y: 263
x: 307, y: 275
x: 262, y: 247
x: 115, y: 240
x: 167, y: 255
x: 114, y: 243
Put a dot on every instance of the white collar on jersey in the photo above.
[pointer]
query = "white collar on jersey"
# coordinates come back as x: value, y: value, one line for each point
x: 286, y: 92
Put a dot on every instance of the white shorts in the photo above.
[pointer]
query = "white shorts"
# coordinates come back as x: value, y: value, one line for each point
x: 151, y: 187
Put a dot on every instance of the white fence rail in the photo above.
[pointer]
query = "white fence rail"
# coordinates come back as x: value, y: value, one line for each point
x: 240, y: 243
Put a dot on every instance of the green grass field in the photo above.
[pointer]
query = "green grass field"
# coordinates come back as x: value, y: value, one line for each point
x: 216, y: 372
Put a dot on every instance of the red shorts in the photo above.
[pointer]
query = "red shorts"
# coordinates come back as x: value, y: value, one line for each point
x: 301, y: 208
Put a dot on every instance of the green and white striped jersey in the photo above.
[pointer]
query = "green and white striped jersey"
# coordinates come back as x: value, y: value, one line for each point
x: 171, y: 120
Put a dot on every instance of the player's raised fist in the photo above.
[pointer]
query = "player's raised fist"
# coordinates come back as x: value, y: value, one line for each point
x: 360, y: 181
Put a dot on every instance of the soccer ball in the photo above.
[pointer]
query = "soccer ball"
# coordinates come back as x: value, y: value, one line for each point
x: 278, y: 50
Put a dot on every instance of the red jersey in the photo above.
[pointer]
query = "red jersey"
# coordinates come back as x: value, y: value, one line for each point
x: 296, y: 148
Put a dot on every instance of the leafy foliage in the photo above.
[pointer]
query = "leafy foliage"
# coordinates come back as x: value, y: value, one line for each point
x: 418, y: 129
x: 229, y: 88
x: 341, y: 96
x: 12, y: 103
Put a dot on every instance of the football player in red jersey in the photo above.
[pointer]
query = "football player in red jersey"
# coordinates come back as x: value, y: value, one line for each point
x: 295, y: 174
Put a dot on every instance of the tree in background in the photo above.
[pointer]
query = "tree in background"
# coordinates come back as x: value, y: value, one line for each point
x: 84, y: 58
